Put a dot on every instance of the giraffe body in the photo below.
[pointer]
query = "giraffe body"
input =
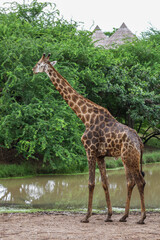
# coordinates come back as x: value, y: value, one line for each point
x: 104, y: 136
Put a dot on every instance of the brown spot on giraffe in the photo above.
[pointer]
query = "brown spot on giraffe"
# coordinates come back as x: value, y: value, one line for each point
x: 87, y: 117
x: 70, y: 90
x: 74, y: 98
x: 76, y: 109
x: 104, y: 136
x: 58, y: 80
x: 64, y: 84
x: 84, y: 109
x: 71, y: 104
x: 80, y: 103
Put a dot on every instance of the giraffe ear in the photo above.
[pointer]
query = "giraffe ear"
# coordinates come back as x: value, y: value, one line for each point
x: 43, y: 56
x: 53, y: 63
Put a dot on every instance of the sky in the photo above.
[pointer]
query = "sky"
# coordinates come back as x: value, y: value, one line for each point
x: 138, y: 15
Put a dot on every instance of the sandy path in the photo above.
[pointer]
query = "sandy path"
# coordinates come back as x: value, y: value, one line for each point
x: 42, y: 226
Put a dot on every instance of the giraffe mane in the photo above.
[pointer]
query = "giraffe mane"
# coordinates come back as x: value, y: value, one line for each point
x: 85, y: 99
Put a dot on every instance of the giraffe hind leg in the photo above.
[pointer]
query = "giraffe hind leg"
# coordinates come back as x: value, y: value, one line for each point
x: 132, y: 179
x: 141, y: 184
x: 130, y: 186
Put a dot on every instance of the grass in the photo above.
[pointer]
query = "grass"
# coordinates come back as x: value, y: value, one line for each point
x: 148, y: 157
x: 111, y: 163
x: 28, y: 169
x: 73, y: 211
x: 12, y: 170
x: 151, y: 157
x: 24, y: 169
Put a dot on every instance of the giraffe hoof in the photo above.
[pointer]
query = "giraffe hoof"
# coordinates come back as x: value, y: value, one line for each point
x: 122, y: 220
x: 84, y: 221
x: 141, y: 222
x: 108, y: 220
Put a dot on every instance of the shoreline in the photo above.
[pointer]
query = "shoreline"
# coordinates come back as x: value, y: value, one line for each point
x: 116, y: 210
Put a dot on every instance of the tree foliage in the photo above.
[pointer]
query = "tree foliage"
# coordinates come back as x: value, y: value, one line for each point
x: 34, y: 117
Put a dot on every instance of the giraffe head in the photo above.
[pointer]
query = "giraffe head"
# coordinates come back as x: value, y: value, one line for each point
x: 42, y: 64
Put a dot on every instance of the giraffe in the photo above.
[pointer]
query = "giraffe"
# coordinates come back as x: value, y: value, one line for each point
x: 103, y: 136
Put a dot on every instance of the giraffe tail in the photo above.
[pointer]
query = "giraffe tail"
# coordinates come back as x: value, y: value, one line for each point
x: 143, y: 173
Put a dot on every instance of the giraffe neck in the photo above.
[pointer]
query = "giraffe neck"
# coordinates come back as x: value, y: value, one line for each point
x: 85, y: 109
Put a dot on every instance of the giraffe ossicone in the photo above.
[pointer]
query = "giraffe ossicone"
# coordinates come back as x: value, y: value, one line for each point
x: 104, y: 136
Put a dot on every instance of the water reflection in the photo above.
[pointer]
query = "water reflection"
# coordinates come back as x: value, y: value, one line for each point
x: 71, y: 191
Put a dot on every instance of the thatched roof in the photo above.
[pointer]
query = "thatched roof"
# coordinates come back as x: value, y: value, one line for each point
x: 99, y: 38
x: 122, y: 35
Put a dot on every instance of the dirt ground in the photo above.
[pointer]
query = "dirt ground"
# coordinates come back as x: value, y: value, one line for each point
x: 60, y: 226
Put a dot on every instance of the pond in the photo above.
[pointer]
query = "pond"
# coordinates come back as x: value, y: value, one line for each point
x: 71, y: 191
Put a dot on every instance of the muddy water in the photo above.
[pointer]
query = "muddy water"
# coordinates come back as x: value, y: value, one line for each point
x: 71, y: 191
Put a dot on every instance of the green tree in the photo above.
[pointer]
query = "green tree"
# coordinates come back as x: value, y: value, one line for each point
x: 34, y: 118
x: 139, y: 75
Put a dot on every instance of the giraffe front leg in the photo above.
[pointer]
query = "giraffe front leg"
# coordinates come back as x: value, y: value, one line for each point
x: 91, y: 185
x: 89, y: 213
x: 102, y: 169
